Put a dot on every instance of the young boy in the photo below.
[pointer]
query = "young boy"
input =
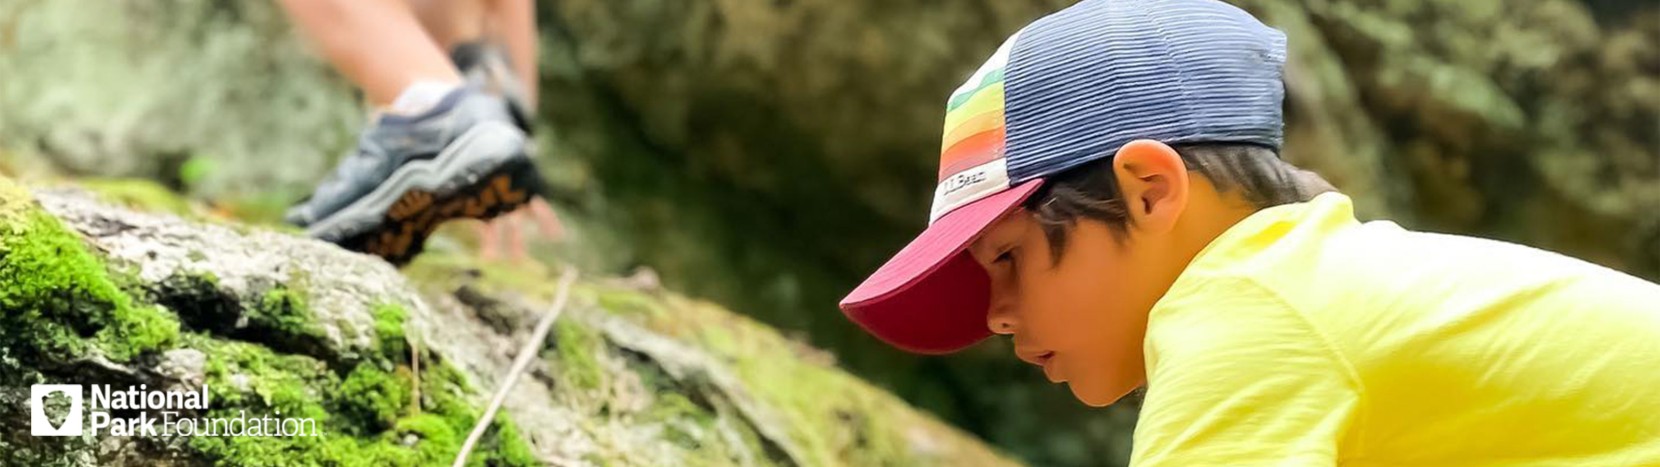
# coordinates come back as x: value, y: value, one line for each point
x: 1110, y: 196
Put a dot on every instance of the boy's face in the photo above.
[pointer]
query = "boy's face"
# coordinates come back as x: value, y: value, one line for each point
x: 1082, y: 318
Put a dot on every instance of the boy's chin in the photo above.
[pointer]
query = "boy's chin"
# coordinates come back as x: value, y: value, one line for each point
x: 1096, y: 395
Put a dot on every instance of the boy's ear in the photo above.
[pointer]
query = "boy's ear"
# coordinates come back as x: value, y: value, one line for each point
x: 1154, y: 183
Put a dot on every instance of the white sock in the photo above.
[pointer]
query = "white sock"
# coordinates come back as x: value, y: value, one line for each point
x: 420, y: 96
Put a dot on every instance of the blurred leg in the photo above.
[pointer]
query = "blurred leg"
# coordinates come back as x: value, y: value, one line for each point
x: 451, y: 22
x: 510, y: 24
x: 513, y: 24
x: 377, y: 44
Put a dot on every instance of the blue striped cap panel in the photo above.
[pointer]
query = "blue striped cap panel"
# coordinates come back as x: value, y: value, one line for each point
x: 1084, y: 81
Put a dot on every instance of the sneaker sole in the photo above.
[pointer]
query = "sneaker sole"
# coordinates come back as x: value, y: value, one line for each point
x: 483, y: 174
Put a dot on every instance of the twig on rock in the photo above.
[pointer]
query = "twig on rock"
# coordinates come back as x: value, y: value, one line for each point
x: 527, y: 352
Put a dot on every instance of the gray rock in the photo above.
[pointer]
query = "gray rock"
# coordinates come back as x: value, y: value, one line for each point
x: 187, y: 366
x: 339, y: 288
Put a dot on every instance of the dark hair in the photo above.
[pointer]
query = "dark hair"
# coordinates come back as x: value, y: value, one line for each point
x: 1090, y: 191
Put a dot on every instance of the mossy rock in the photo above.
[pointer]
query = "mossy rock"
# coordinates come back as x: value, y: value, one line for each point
x: 395, y: 371
x: 69, y: 314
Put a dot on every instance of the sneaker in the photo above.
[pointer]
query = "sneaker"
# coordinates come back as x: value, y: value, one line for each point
x: 486, y: 67
x: 464, y: 158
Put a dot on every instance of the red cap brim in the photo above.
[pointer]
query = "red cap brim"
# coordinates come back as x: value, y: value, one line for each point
x: 932, y: 297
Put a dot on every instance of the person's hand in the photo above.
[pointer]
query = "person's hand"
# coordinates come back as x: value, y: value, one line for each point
x: 506, y: 234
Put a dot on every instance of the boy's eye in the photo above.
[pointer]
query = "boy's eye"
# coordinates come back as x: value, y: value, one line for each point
x: 1005, y: 256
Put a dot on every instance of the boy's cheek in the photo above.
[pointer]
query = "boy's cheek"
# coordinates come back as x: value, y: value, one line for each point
x: 1057, y: 323
x: 1069, y: 315
x: 1098, y: 343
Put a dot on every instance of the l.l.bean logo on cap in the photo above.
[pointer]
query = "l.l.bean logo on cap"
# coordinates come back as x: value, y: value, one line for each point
x: 969, y: 186
x: 957, y: 182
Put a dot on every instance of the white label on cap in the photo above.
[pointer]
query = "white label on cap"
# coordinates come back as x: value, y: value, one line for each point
x: 969, y: 186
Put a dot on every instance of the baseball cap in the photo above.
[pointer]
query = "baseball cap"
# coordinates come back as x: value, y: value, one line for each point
x: 1067, y: 89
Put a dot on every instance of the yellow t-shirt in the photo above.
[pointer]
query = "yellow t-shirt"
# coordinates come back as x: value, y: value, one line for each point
x: 1303, y: 337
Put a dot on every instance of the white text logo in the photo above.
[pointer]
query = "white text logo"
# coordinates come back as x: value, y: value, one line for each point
x: 158, y: 413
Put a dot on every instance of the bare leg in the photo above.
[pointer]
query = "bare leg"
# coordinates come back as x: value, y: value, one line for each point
x: 510, y: 23
x: 377, y: 44
x: 451, y: 22
x: 513, y: 23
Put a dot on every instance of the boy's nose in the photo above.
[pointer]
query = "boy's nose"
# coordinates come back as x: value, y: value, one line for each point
x: 1000, y: 320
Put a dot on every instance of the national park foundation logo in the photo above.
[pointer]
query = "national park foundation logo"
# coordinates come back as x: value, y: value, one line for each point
x: 159, y: 413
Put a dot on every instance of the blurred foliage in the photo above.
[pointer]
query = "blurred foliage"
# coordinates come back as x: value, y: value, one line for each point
x: 769, y: 154
x: 162, y: 88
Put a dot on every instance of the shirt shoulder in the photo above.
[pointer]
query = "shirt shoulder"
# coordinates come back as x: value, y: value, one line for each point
x: 1236, y: 374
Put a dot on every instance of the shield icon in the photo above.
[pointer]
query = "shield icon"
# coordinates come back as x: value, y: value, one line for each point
x: 67, y: 424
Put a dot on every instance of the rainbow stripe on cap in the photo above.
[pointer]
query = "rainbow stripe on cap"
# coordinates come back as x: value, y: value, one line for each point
x: 971, y: 153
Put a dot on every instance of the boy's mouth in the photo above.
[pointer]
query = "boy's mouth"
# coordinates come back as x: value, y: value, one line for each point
x: 1051, y: 372
x: 1041, y: 358
x: 1035, y: 357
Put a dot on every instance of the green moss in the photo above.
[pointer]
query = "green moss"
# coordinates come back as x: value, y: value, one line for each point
x: 827, y: 415
x: 695, y: 417
x: 511, y: 448
x: 56, y: 294
x: 194, y: 170
x: 141, y: 194
x: 718, y: 337
x: 263, y: 209
x: 136, y: 330
x: 47, y: 269
x: 677, y: 413
x: 443, y: 390
x: 236, y: 211
x: 531, y: 279
x: 441, y: 439
x: 374, y: 396
x: 283, y: 310
x: 831, y: 417
x: 368, y: 417
x: 390, y: 339
x: 699, y: 430
x: 576, y: 346
x: 835, y: 417
x: 625, y: 301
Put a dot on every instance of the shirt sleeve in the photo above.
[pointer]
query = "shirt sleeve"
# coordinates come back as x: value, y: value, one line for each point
x: 1238, y: 377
